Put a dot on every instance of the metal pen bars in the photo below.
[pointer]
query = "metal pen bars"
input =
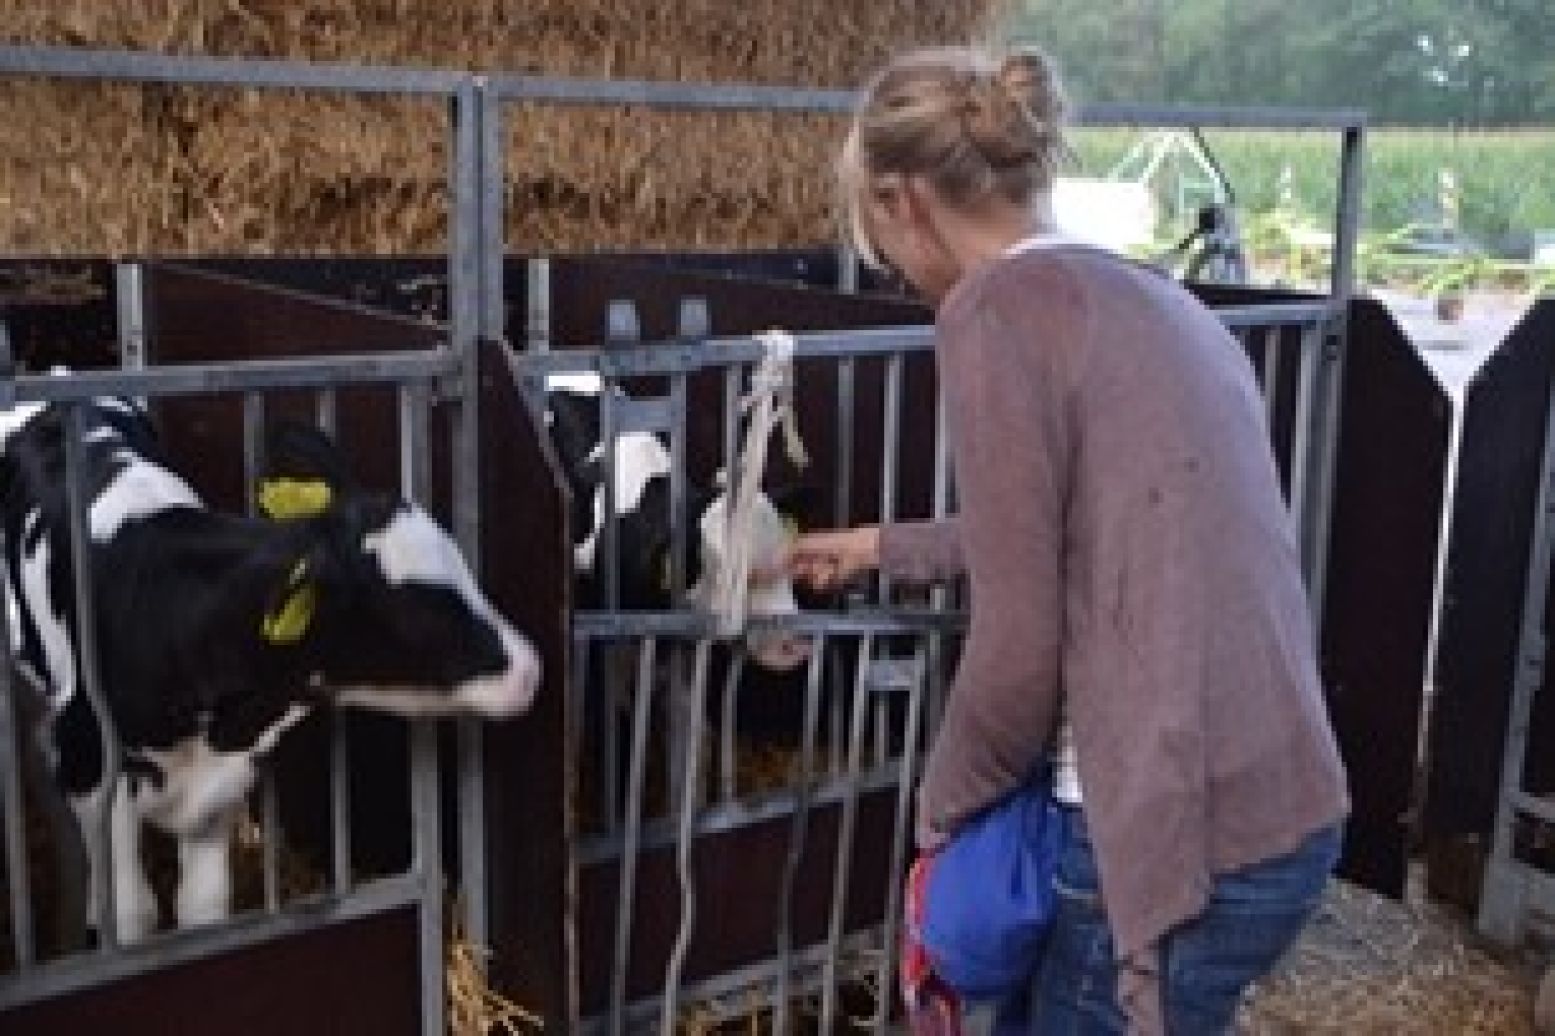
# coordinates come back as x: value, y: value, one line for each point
x: 421, y: 886
x: 416, y: 378
x: 663, y: 696
x: 917, y: 643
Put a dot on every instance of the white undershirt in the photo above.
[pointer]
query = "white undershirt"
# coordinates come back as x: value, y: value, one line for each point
x: 1066, y: 771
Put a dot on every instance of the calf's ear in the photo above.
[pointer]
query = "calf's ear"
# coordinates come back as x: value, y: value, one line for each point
x: 305, y: 472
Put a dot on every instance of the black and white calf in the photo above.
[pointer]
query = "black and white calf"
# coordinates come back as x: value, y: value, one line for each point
x: 645, y: 522
x: 216, y: 633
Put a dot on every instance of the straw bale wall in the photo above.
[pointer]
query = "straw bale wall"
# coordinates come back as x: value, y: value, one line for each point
x: 106, y: 168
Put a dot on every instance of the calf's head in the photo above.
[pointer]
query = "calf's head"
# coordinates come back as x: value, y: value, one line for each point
x: 645, y: 524
x: 769, y: 590
x: 379, y: 600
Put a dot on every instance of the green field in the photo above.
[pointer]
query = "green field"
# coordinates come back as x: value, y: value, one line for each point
x: 1507, y: 179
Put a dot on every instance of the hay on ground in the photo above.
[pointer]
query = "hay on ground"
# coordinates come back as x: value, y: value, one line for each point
x: 1370, y: 965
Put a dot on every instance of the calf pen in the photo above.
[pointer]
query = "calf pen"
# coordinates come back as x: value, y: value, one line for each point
x: 361, y: 914
x: 818, y: 858
x: 620, y: 889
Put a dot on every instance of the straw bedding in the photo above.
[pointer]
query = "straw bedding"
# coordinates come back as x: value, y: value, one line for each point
x: 1370, y: 965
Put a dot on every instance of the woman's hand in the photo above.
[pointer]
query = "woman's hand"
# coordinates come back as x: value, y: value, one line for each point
x: 828, y: 560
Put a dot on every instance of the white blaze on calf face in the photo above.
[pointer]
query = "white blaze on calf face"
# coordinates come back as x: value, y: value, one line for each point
x: 412, y: 549
x: 639, y: 458
x: 769, y: 592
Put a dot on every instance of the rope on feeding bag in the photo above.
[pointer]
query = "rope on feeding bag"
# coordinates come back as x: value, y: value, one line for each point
x: 768, y: 405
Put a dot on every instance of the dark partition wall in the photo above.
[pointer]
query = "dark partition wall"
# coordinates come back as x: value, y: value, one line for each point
x: 526, y: 567
x: 1505, y: 420
x: 59, y: 313
x: 353, y: 977
x: 1394, y: 428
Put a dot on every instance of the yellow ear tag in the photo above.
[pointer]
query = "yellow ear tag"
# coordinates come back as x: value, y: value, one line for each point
x: 288, y: 499
x: 289, y: 623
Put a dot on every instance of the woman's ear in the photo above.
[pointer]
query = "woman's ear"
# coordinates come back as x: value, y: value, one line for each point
x: 917, y: 203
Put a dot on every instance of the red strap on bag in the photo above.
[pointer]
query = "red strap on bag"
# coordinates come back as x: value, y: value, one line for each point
x: 933, y: 1008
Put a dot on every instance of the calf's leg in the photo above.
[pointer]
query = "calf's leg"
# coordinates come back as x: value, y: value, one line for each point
x: 205, y: 875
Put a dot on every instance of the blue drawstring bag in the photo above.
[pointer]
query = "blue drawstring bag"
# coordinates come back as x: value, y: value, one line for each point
x: 989, y: 899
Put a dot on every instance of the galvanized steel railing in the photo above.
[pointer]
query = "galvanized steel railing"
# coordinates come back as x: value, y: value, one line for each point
x: 620, y: 679
x: 477, y: 178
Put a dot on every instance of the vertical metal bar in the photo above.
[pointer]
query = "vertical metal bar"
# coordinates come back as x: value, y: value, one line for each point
x: 799, y: 827
x: 733, y: 378
x: 899, y: 840
x: 269, y: 808
x: 890, y: 450
x: 626, y: 897
x: 680, y: 515
x: 253, y: 446
x: 415, y: 483
x: 1271, y: 374
x: 1301, y: 438
x: 1347, y: 221
x: 690, y: 800
x: 465, y: 196
x: 76, y: 505
x: 1334, y: 344
x: 326, y: 416
x: 491, y: 226
x: 728, y: 751
x: 476, y: 311
x: 537, y: 304
x: 890, y: 466
x: 607, y: 550
x: 577, y: 690
x: 12, y: 801
x: 610, y: 732
x: 882, y: 725
x: 470, y: 762
x: 846, y: 381
x: 130, y: 300
x: 939, y: 596
x: 845, y: 829
x: 428, y: 867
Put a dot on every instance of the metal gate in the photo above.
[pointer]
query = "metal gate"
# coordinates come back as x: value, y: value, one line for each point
x: 416, y: 381
x: 671, y: 832
x: 681, y: 887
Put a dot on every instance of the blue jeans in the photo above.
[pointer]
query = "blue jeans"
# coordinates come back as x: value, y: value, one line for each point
x: 1206, y: 964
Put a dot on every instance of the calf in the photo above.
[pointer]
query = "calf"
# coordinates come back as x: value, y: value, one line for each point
x: 216, y: 633
x: 645, y: 524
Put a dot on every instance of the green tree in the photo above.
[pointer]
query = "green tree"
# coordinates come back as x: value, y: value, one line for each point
x: 1462, y: 62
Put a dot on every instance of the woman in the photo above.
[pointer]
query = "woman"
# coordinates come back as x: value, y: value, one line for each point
x: 1133, y: 570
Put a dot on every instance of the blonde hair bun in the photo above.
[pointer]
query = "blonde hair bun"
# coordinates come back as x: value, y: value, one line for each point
x: 974, y: 125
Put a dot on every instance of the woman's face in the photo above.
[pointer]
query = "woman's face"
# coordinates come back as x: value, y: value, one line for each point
x: 899, y: 220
